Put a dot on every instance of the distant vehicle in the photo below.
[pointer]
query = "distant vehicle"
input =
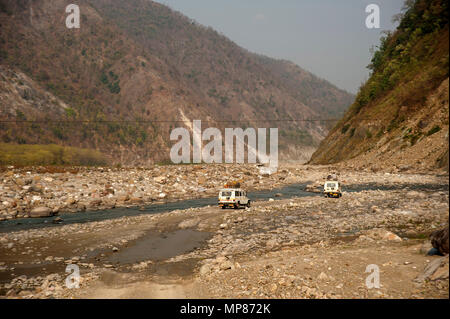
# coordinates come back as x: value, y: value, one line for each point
x: 332, y: 189
x: 233, y: 197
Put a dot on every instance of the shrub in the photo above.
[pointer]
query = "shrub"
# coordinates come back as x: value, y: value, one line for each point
x: 104, y: 78
x: 114, y: 87
x: 20, y: 115
x: 352, y: 132
x: 70, y: 112
x: 345, y: 128
x: 434, y: 130
x: 380, y: 133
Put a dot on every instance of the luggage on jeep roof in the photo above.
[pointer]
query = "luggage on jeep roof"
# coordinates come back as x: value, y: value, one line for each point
x: 332, y: 177
x: 233, y: 184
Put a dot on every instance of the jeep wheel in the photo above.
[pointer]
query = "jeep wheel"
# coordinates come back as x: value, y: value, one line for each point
x: 248, y: 204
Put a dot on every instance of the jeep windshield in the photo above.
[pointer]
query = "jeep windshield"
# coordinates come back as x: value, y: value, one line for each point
x: 226, y: 194
x: 331, y: 185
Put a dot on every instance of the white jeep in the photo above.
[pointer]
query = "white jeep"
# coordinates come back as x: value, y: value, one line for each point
x: 234, y: 198
x: 332, y: 189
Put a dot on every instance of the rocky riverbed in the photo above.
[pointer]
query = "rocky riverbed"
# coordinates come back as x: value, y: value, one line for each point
x: 40, y: 192
x: 300, y: 247
x: 44, y: 192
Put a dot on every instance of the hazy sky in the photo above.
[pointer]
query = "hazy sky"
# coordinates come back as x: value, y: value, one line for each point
x: 327, y: 37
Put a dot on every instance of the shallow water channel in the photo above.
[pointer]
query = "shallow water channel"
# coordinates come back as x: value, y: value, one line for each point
x: 294, y: 190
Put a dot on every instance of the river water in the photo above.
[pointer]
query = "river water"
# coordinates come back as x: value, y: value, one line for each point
x: 294, y: 190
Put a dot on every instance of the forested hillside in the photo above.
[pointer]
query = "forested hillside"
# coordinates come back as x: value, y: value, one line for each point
x: 400, y: 115
x: 116, y: 83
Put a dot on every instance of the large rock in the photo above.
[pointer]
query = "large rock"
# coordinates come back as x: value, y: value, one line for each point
x: 272, y: 243
x: 439, y: 240
x: 415, y: 195
x: 95, y: 202
x: 35, y: 188
x: 314, y: 188
x: 435, y: 270
x: 189, y: 223
x: 382, y: 234
x: 136, y: 200
x: 160, y: 179
x: 226, y: 265
x: 41, y: 212
x: 323, y: 276
x: 205, y: 269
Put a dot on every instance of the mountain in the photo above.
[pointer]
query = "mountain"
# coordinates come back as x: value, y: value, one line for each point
x: 399, y: 119
x: 117, y: 84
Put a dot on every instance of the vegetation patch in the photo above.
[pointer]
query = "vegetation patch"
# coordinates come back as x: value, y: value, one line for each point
x: 33, y: 155
x: 345, y: 128
x: 111, y: 80
x: 434, y: 130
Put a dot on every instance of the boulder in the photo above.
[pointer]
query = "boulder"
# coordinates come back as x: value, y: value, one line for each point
x: 136, y: 200
x: 160, y: 179
x: 41, y: 212
x: 435, y: 270
x: 272, y: 243
x: 382, y: 234
x: 35, y: 188
x: 189, y: 223
x: 226, y: 265
x: 57, y: 220
x: 205, y: 269
x: 95, y: 202
x: 322, y: 276
x: 415, y: 195
x: 314, y: 188
x: 439, y: 240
